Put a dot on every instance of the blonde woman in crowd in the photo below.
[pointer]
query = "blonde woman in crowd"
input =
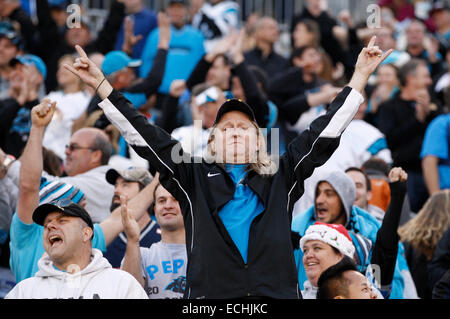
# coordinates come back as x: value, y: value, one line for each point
x: 420, y: 236
x: 71, y: 102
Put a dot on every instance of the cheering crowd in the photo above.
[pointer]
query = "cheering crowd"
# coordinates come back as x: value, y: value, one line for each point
x: 185, y: 154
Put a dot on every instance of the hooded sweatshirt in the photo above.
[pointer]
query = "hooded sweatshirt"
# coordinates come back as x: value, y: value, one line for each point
x: 98, y: 280
x: 359, y: 222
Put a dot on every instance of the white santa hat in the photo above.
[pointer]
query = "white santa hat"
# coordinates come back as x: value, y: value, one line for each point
x: 334, y: 235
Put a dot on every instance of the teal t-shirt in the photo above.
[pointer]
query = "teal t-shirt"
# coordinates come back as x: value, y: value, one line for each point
x: 27, y: 248
x: 436, y: 142
x: 237, y: 215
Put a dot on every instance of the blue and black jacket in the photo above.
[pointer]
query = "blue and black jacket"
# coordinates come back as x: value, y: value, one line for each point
x: 216, y: 268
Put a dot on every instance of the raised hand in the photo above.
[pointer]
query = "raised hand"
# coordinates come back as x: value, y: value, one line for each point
x: 346, y: 17
x: 397, y: 174
x: 164, y: 30
x: 431, y: 45
x: 369, y: 59
x: 85, y: 69
x: 222, y: 46
x: 130, y: 225
x: 90, y: 74
x: 177, y: 87
x: 236, y: 51
x: 130, y: 39
x: 423, y: 101
x: 42, y: 114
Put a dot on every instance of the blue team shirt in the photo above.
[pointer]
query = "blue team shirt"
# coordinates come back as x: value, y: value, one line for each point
x: 185, y: 50
x: 437, y: 142
x: 237, y: 215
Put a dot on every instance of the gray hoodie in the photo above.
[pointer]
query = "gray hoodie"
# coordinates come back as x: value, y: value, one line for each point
x: 344, y: 187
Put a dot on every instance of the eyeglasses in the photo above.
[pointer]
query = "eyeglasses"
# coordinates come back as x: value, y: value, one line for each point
x: 74, y: 147
x: 62, y: 203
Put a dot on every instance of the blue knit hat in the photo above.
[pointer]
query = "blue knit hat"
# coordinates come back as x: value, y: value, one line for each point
x: 51, y: 191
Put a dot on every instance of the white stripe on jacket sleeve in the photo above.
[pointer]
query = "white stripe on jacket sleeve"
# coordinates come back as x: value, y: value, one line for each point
x: 129, y: 133
x: 342, y: 118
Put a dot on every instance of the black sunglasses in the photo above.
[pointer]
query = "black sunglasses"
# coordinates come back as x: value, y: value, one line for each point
x: 75, y: 147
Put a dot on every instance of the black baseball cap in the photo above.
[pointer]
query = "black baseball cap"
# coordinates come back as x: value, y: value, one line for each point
x: 235, y: 105
x: 131, y: 174
x: 66, y: 207
x: 7, y: 31
x: 437, y: 6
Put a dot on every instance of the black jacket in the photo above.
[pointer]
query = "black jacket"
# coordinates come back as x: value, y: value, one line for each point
x: 12, y: 142
x: 404, y: 133
x: 253, y: 95
x: 289, y: 92
x: 52, y: 44
x: 272, y: 64
x: 215, y: 267
x: 440, y: 264
x: 418, y: 266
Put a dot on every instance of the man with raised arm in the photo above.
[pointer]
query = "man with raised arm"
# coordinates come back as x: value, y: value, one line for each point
x: 237, y: 201
x: 160, y: 268
x: 26, y: 236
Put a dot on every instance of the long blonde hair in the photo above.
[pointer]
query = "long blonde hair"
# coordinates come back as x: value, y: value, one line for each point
x: 424, y: 230
x: 262, y: 163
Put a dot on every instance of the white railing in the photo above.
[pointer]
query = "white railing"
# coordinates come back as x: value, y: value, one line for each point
x: 282, y: 10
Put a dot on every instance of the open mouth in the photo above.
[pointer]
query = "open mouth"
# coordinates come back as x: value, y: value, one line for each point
x: 311, y: 264
x: 321, y: 211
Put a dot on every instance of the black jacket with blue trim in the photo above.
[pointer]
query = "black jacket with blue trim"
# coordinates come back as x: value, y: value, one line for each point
x: 215, y: 266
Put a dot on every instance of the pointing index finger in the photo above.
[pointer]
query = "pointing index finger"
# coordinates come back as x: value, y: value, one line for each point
x: 386, y: 54
x: 70, y: 68
x: 371, y: 42
x: 81, y: 51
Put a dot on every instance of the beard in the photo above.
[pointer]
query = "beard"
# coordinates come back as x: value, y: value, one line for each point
x: 113, y: 206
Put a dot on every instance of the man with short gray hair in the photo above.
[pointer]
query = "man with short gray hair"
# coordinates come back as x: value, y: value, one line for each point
x: 86, y: 164
x: 264, y: 54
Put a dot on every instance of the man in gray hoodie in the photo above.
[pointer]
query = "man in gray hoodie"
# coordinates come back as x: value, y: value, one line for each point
x: 375, y: 244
